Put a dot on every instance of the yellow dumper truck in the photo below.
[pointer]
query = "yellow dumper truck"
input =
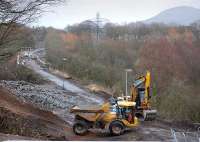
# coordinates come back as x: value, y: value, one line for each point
x: 117, y: 114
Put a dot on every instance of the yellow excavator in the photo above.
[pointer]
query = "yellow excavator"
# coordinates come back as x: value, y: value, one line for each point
x: 140, y: 93
x: 118, y: 113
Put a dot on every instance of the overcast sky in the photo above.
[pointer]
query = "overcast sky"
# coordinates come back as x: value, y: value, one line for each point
x: 117, y: 11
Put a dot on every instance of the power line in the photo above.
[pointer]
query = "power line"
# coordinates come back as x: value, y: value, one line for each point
x: 98, y: 23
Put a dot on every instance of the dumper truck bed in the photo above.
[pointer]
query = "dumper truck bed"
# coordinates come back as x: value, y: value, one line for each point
x: 86, y: 109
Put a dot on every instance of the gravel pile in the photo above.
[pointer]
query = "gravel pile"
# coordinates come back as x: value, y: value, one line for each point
x: 48, y: 97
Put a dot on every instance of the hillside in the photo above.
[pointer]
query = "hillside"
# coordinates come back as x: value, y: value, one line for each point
x: 178, y: 15
x: 169, y: 52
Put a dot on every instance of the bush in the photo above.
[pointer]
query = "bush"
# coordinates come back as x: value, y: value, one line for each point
x: 18, y: 72
x: 179, y: 103
x: 170, y: 53
x: 103, y: 63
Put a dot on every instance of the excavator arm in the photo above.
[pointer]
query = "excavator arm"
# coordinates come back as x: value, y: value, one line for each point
x: 147, y: 89
x: 140, y: 93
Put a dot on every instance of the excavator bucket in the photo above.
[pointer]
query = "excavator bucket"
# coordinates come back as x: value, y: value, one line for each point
x: 149, y: 115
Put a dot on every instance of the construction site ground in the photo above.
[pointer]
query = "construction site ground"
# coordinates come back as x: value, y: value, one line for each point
x: 41, y: 111
x: 52, y: 127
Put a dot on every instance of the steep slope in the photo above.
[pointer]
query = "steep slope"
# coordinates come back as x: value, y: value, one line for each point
x: 26, y: 120
x: 178, y: 15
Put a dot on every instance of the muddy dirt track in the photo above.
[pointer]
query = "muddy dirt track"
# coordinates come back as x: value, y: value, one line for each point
x: 54, y: 128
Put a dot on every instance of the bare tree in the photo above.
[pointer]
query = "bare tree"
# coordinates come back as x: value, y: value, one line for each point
x: 14, y: 13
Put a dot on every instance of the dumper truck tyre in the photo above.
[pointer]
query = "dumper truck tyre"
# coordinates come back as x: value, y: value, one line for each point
x: 80, y: 128
x: 116, y: 128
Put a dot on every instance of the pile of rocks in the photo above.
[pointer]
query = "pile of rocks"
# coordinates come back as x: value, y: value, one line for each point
x: 48, y: 97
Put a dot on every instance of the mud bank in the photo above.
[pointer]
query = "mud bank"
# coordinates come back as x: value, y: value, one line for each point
x: 23, y: 119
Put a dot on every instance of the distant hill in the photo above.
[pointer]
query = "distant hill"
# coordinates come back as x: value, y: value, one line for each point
x: 179, y: 15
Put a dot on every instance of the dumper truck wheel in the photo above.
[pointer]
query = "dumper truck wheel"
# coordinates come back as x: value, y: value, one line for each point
x: 116, y: 128
x: 80, y: 128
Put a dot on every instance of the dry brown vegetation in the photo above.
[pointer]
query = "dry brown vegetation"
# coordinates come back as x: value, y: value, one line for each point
x: 14, y: 35
x: 17, y: 125
x: 14, y: 14
x: 9, y: 70
x: 170, y: 53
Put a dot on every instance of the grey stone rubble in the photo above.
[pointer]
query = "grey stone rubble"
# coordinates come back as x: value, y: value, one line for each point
x: 48, y: 97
